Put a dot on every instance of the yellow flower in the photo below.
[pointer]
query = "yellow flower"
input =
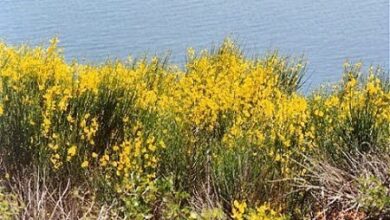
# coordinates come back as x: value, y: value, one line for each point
x: 318, y: 113
x: 71, y: 152
x: 162, y: 144
x: 70, y: 119
x: 104, y: 160
x: 238, y: 210
x: 125, y: 119
x: 152, y: 147
x: 53, y: 146
x: 372, y: 89
x: 46, y: 125
x: 84, y: 164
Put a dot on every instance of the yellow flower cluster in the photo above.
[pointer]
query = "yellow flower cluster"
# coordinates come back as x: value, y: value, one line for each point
x: 353, y: 107
x: 240, y: 211
x: 227, y: 87
x: 215, y: 88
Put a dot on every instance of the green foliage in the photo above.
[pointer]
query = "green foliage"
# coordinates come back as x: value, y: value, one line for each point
x: 374, y: 195
x: 9, y: 205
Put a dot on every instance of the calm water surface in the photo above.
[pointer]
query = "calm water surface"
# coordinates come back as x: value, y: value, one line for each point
x: 326, y: 31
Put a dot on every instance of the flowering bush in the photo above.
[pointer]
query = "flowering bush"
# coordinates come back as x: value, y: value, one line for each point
x: 154, y: 136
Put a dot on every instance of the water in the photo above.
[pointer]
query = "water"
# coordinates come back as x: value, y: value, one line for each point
x: 327, y: 32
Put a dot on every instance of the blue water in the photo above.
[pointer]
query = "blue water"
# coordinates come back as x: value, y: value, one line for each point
x: 327, y: 32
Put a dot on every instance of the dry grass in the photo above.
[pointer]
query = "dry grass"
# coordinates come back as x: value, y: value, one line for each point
x: 39, y: 197
x: 357, y: 188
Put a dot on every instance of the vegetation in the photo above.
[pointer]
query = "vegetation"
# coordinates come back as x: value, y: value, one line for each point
x: 225, y: 137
